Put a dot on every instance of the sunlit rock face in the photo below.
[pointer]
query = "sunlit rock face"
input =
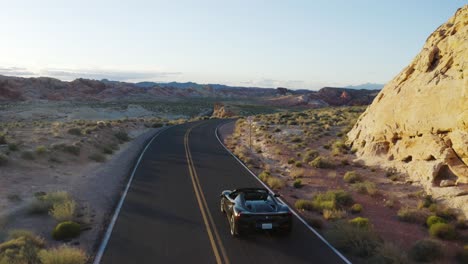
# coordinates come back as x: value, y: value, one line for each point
x: 418, y: 123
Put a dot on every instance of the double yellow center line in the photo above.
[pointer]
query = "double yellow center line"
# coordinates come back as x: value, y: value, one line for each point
x: 215, y: 241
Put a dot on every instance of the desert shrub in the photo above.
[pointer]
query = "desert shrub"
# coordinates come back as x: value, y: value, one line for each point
x: 302, y: 204
x: 66, y: 230
x: 108, y: 149
x: 356, y: 208
x: 342, y: 197
x: 3, y: 140
x: 275, y: 183
x: 443, y: 231
x: 332, y: 200
x: 64, y: 211
x: 74, y: 131
x: 462, y: 255
x: 12, y: 146
x: 296, y: 140
x: 43, y: 203
x: 352, y: 177
x: 310, y: 155
x: 122, y: 136
x: 389, y: 253
x: 297, y: 183
x: 434, y: 220
x: 72, y: 149
x: 361, y: 222
x: 428, y: 201
x: 41, y: 149
x: 320, y: 162
x: 264, y: 175
x: 276, y: 130
x: 27, y: 155
x: 333, y: 214
x: 365, y: 187
x: 362, y: 242
x: 63, y: 255
x: 315, y: 222
x: 445, y: 212
x: 339, y: 147
x: 426, y: 250
x: 3, y: 160
x: 156, y: 125
x: 407, y: 214
x: 98, y: 157
x: 291, y: 160
x: 22, y: 247
x: 298, y: 164
x: 461, y: 223
x: 296, y: 173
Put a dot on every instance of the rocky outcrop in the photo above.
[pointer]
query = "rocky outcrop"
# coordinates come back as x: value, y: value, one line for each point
x: 326, y: 96
x: 419, y: 121
x: 221, y: 110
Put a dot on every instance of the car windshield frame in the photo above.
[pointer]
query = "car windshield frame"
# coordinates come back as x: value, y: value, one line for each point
x: 255, y: 195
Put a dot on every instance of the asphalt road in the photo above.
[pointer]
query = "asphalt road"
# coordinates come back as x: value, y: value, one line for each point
x: 171, y: 212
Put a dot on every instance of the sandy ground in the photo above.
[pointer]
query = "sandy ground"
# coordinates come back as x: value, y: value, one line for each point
x: 95, y: 186
x: 383, y: 218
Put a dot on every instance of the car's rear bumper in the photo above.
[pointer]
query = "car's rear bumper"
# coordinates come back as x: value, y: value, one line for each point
x: 262, y: 222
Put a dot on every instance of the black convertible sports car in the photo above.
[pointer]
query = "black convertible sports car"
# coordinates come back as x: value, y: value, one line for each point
x: 255, y: 209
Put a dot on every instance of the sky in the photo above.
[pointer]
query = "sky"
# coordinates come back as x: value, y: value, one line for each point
x: 295, y: 44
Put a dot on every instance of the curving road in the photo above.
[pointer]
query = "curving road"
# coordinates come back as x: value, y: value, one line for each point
x: 171, y: 212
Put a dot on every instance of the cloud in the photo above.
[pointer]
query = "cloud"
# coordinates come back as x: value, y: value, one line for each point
x: 16, y: 71
x: 115, y: 75
x: 265, y: 82
x: 97, y: 74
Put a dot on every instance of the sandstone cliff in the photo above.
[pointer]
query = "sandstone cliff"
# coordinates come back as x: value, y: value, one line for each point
x: 418, y: 123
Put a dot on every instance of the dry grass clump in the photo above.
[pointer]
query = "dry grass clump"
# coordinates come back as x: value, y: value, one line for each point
x: 275, y: 183
x: 310, y: 155
x: 426, y: 250
x: 333, y: 214
x: 74, y: 131
x: 63, y: 211
x: 352, y: 177
x: 365, y: 187
x: 297, y: 183
x: 41, y: 149
x: 352, y: 239
x: 63, y: 255
x: 412, y: 215
x: 321, y: 162
x: 13, y: 146
x: 22, y: 246
x: 331, y: 204
x: 443, y: 231
x: 390, y: 253
x: 122, y: 136
x: 356, y: 208
x: 297, y: 173
x: 44, y: 202
x: 97, y: 157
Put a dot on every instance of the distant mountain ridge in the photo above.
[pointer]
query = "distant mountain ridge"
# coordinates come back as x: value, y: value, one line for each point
x: 367, y: 86
x: 44, y: 88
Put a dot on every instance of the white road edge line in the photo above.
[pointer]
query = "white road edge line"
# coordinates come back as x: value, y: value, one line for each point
x: 110, y: 227
x: 293, y: 211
